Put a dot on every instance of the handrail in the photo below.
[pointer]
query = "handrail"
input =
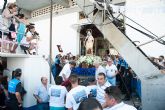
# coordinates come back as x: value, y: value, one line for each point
x: 138, y: 47
x: 141, y: 26
x: 159, y: 40
x: 11, y: 31
x: 150, y: 41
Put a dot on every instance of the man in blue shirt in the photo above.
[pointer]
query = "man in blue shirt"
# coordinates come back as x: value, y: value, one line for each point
x: 123, y: 69
x: 41, y: 95
x: 56, y: 67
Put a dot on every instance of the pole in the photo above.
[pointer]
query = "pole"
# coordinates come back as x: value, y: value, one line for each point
x: 51, y: 17
x: 2, y: 41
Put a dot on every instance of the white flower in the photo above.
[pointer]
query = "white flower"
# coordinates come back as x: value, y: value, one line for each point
x: 88, y: 59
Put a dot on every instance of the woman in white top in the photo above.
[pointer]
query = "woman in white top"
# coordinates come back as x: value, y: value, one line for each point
x: 30, y: 41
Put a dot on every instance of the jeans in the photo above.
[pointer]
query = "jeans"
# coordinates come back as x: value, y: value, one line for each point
x: 43, y: 106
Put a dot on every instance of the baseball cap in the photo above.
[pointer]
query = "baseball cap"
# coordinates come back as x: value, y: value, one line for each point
x: 18, y: 70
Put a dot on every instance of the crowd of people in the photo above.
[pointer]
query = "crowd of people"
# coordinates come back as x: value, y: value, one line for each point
x: 115, y: 73
x: 112, y: 78
x: 111, y: 66
x: 69, y: 91
x: 16, y: 30
x: 101, y: 92
x: 96, y: 96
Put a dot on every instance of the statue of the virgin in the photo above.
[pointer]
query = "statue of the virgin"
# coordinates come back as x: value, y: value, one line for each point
x: 89, y: 41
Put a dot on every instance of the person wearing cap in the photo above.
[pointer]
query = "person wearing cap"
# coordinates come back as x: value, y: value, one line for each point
x: 16, y: 92
x: 123, y: 70
x: 66, y: 71
x: 99, y: 69
x: 111, y: 72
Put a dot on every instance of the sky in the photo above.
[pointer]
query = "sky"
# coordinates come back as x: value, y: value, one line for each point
x: 2, y: 1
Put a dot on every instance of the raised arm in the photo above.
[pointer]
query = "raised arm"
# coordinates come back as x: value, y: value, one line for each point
x: 21, y: 20
x: 7, y: 14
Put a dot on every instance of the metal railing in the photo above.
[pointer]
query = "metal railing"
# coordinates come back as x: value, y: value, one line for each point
x: 3, y: 41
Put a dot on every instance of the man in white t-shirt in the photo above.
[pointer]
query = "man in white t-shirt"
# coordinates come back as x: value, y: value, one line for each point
x: 57, y: 94
x: 101, y: 85
x: 76, y: 95
x: 111, y: 72
x: 99, y: 69
x: 113, y: 100
x: 92, y: 88
x: 66, y: 71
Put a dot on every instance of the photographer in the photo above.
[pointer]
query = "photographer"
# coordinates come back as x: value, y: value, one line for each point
x: 21, y: 26
x: 8, y: 22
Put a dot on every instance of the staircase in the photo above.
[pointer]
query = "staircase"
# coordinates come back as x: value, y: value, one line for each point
x: 150, y: 76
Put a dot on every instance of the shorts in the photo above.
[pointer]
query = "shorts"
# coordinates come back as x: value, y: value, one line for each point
x: 25, y: 47
x: 10, y: 37
x: 57, y: 108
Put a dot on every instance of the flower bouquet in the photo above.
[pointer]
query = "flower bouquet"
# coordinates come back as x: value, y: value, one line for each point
x: 88, y: 59
x: 86, y: 67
